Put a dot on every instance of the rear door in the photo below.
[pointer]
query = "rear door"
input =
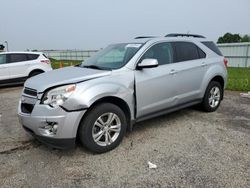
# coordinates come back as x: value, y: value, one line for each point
x: 18, y: 65
x: 4, y: 70
x: 190, y: 67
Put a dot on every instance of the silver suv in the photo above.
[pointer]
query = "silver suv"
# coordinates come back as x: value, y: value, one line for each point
x: 122, y: 84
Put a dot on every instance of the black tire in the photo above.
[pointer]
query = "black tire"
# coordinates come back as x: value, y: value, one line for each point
x: 34, y: 73
x: 86, y: 127
x: 206, y: 106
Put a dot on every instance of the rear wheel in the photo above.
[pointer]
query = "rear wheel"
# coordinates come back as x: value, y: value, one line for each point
x: 212, y: 97
x: 103, y: 128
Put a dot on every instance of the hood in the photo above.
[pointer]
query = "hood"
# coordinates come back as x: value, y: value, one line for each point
x: 63, y: 76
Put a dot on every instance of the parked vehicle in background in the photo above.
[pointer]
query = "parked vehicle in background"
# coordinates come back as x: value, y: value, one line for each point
x: 119, y: 86
x: 16, y: 67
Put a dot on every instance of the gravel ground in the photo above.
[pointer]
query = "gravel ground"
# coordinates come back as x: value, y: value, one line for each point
x: 190, y: 148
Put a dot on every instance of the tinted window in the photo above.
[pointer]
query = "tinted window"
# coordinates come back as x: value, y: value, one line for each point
x: 32, y: 56
x: 201, y: 53
x: 186, y: 51
x: 212, y: 47
x: 163, y: 52
x: 2, y: 59
x: 12, y: 58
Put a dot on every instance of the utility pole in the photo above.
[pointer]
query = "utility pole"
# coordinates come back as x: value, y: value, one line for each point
x: 7, y: 45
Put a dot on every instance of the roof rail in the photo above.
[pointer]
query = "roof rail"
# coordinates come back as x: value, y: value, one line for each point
x: 144, y: 37
x: 184, y: 35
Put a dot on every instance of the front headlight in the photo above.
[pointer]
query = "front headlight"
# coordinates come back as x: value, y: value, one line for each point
x: 56, y: 97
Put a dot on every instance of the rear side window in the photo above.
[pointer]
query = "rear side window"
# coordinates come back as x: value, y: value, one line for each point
x: 212, y: 47
x: 32, y: 56
x: 12, y: 58
x: 185, y: 51
x: 201, y: 53
x: 163, y: 52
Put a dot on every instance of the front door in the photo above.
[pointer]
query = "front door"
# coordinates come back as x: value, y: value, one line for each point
x: 155, y: 87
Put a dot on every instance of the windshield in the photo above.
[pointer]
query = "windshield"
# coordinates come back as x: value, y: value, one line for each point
x: 112, y: 57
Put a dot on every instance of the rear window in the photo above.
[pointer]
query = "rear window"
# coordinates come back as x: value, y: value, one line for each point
x: 212, y: 47
x: 32, y: 56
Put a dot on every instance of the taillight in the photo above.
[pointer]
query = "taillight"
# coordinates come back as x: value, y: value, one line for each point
x: 225, y: 62
x: 45, y: 61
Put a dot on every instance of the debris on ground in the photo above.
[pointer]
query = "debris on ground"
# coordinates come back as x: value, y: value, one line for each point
x: 151, y: 165
x: 245, y: 95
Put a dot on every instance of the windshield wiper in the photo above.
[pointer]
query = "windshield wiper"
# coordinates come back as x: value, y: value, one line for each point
x: 95, y: 67
x: 92, y: 67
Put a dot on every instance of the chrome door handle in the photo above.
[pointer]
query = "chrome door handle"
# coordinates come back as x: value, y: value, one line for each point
x: 203, y: 64
x: 172, y: 72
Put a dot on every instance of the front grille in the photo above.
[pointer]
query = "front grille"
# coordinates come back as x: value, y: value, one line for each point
x: 28, y: 100
x: 27, y: 108
x: 31, y: 92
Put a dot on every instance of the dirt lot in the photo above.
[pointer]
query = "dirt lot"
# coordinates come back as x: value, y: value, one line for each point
x: 190, y: 148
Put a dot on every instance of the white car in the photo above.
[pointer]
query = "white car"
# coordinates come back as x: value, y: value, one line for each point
x: 16, y: 67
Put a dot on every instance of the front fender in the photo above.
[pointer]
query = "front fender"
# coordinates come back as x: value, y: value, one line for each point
x: 88, y: 95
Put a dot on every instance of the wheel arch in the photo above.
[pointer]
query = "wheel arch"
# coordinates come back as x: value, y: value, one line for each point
x: 113, y: 100
x: 35, y: 70
x: 217, y: 73
x: 221, y: 81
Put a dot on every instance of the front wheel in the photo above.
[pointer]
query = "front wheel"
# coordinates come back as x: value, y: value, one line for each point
x: 103, y: 128
x: 212, y: 97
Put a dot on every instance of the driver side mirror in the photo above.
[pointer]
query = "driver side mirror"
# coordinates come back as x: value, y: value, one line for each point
x: 148, y: 63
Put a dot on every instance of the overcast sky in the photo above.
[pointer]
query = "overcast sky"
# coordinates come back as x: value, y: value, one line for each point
x: 92, y: 24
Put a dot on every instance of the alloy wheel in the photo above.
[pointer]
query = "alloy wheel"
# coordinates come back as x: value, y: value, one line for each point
x: 214, y: 97
x: 106, y: 129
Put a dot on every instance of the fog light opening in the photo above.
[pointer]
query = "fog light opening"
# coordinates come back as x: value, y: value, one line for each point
x: 54, y: 128
x: 50, y: 128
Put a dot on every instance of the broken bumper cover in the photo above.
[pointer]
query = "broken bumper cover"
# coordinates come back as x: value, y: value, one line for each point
x: 59, y: 143
x: 41, y: 123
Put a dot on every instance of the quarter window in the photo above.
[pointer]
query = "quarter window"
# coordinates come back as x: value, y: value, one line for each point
x: 163, y: 52
x: 212, y: 47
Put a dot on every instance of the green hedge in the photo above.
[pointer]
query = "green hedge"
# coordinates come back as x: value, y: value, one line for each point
x: 238, y: 79
x: 64, y: 63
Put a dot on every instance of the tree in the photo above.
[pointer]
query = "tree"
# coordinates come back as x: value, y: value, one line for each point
x: 245, y: 38
x: 229, y: 38
x: 1, y: 47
